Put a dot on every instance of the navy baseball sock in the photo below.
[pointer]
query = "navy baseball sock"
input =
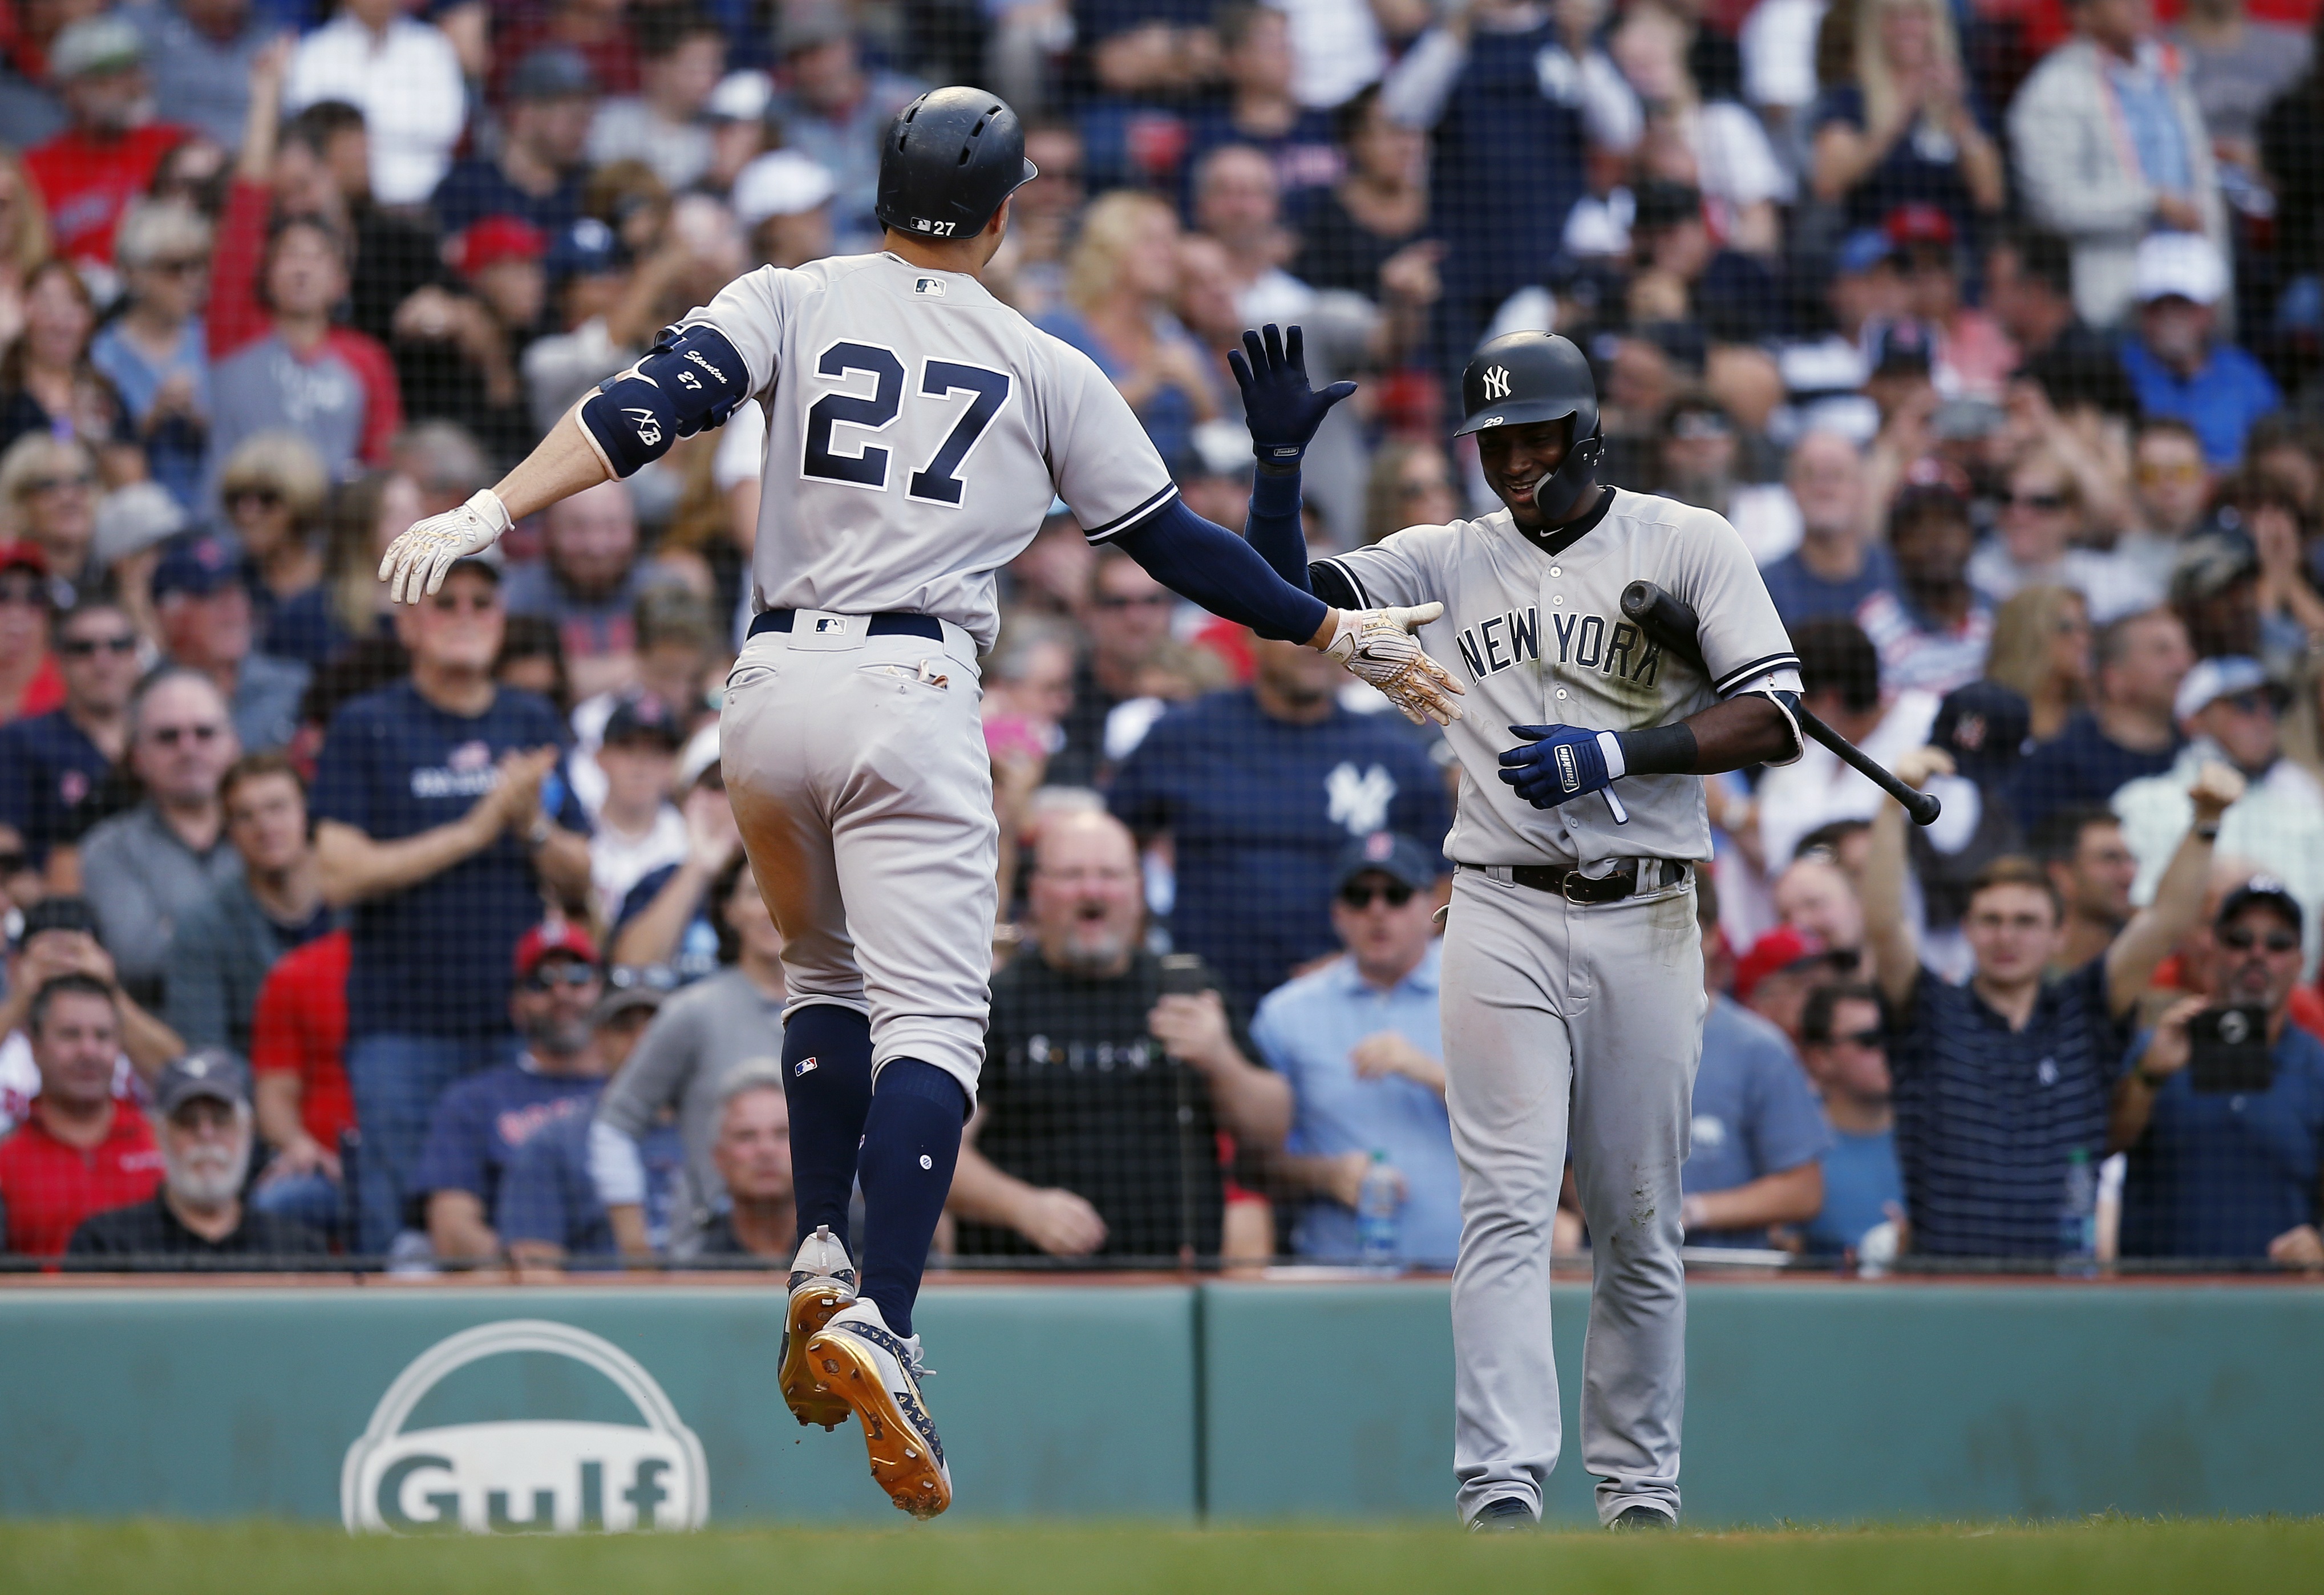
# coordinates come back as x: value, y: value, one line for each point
x: 827, y: 1078
x: 910, y: 1143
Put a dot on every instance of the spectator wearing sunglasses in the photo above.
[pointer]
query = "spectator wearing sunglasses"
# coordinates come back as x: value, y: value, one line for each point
x: 477, y: 1128
x: 149, y: 866
x: 1358, y: 1041
x: 48, y: 497
x: 439, y: 817
x: 29, y: 682
x: 49, y: 762
x: 202, y: 603
x: 274, y: 490
x: 1844, y: 1047
x: 155, y: 352
x: 2230, y: 712
x: 2043, y: 511
x: 2221, y: 1169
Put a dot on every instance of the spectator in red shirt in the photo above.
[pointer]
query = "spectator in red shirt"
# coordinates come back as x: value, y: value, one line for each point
x: 30, y: 681
x: 80, y: 1152
x: 88, y: 173
x: 297, y: 1054
x: 278, y: 360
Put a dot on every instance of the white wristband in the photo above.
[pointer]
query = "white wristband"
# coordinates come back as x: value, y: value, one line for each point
x: 1610, y: 745
x: 487, y: 503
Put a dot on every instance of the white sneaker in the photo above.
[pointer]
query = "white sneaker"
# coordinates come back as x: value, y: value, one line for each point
x: 878, y: 1373
x: 823, y: 1281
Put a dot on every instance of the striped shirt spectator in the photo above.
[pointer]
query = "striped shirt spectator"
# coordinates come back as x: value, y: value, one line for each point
x: 2000, y: 1081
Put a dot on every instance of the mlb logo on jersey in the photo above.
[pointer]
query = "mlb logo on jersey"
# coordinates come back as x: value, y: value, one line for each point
x: 932, y: 287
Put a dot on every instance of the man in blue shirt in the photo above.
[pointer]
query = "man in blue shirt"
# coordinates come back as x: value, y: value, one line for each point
x: 1838, y: 565
x: 1756, y: 1135
x: 437, y: 824
x: 2001, y: 1081
x: 1844, y: 1050
x: 2175, y: 365
x: 49, y: 762
x: 1358, y: 1041
x: 2217, y: 1173
x: 549, y: 1209
x: 482, y: 1124
x: 1258, y: 790
x: 538, y: 172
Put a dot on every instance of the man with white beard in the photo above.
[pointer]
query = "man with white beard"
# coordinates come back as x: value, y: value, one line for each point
x: 201, y: 1112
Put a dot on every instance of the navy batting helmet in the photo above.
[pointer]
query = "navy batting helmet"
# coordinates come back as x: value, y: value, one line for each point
x: 1524, y: 377
x: 949, y: 160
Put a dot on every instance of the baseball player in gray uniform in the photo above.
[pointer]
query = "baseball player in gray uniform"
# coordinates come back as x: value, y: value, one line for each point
x: 918, y: 430
x: 1573, y: 973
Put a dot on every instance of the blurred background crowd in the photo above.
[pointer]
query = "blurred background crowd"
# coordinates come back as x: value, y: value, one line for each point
x: 1994, y: 327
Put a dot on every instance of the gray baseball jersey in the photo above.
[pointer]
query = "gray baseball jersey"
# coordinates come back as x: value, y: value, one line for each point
x: 1538, y: 638
x: 918, y: 435
x: 1572, y: 1020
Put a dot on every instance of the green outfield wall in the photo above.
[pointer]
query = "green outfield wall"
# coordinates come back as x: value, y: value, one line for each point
x: 435, y: 1409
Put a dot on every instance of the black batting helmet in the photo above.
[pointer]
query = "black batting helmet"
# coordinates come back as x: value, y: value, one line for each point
x: 1524, y: 377
x: 949, y: 160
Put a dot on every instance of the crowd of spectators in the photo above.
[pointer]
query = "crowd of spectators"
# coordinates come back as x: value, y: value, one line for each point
x: 1996, y: 328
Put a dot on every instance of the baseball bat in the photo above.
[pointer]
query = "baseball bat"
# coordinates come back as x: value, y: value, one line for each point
x: 1671, y: 624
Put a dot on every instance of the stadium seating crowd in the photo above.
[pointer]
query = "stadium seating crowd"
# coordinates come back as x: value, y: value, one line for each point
x: 337, y: 935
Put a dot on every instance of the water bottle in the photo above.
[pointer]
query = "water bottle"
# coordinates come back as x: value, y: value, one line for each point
x: 2078, y: 1217
x: 1378, y: 1200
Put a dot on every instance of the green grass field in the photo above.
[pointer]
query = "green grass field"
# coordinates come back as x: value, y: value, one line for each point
x: 2116, y: 1557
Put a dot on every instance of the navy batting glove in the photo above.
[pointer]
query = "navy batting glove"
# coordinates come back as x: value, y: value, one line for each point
x: 1559, y: 763
x: 1277, y: 405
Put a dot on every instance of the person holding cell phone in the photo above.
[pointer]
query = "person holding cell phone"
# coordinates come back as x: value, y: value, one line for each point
x: 2221, y: 1107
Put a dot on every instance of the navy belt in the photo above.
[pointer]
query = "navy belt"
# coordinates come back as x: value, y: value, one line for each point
x: 894, y: 623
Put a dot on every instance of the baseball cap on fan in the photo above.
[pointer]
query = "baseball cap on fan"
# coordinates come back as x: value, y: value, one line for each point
x: 1399, y: 858
x: 1986, y: 727
x: 200, y: 565
x: 2179, y: 266
x: 782, y: 182
x: 2212, y: 679
x: 213, y: 1073
x: 2262, y: 891
x: 549, y: 938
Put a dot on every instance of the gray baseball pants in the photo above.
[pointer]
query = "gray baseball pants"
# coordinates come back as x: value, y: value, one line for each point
x: 857, y: 768
x: 1564, y: 1019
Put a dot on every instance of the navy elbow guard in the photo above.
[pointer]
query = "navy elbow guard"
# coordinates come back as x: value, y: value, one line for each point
x: 690, y: 380
x: 1788, y: 703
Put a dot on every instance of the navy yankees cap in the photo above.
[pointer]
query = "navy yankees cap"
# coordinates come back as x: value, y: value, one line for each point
x: 1985, y: 726
x: 201, y: 565
x: 213, y: 1071
x: 1399, y: 858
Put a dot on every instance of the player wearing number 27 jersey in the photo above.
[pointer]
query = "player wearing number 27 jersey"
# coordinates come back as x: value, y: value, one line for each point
x: 922, y: 429
x: 918, y: 430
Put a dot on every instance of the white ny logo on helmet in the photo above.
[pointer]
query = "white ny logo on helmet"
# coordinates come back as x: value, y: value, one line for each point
x: 1497, y: 382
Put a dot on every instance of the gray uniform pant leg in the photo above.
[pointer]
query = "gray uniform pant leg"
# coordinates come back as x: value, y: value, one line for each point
x: 1562, y: 1018
x: 864, y: 795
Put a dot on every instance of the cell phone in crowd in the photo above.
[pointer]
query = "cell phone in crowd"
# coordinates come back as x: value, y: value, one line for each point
x: 1183, y: 975
x: 2228, y: 1050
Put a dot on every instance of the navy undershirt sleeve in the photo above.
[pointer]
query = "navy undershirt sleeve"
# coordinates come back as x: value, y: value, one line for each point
x: 1274, y: 528
x: 1199, y: 559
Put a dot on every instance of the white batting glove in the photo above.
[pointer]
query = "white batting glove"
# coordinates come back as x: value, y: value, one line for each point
x: 1379, y: 646
x: 417, y: 560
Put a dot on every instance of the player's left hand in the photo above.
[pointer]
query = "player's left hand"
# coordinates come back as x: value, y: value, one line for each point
x: 1277, y: 405
x: 416, y: 561
x: 1556, y: 764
